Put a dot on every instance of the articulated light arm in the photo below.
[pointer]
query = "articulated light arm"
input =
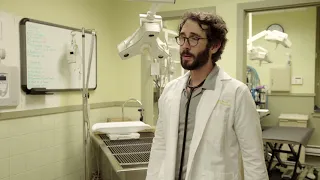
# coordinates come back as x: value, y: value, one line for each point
x: 146, y: 36
x: 169, y: 37
x: 167, y: 66
x: 279, y: 38
x: 256, y: 37
x: 261, y: 54
x: 272, y: 36
x: 257, y: 53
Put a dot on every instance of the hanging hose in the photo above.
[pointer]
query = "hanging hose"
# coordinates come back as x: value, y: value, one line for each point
x: 255, y: 76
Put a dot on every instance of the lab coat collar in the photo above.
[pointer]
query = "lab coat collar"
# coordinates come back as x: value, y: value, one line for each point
x: 210, y: 81
x: 222, y: 75
x: 206, y: 106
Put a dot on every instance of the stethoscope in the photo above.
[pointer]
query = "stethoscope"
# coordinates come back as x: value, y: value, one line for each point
x: 186, y: 124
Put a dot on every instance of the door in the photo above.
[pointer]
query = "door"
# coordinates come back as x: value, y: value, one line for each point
x: 317, y: 70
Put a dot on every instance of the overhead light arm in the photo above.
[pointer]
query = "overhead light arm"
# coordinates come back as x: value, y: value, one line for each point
x: 256, y: 37
x: 146, y: 36
x: 170, y: 35
x: 261, y: 54
x: 272, y: 36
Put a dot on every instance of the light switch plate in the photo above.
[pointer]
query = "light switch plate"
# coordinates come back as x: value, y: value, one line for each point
x: 297, y: 80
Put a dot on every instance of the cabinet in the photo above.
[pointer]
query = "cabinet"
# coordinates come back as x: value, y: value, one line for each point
x: 293, y: 120
x: 280, y: 79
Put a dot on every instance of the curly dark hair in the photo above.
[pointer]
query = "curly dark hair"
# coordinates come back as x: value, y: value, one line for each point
x: 214, y: 26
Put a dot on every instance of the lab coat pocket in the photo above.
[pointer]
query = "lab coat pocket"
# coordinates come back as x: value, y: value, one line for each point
x: 213, y: 156
x: 215, y: 137
x: 216, y: 127
x: 224, y: 112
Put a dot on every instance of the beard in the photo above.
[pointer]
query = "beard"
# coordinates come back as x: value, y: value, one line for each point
x: 198, y: 61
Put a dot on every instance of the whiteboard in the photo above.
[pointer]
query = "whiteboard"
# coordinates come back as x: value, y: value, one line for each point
x: 46, y: 62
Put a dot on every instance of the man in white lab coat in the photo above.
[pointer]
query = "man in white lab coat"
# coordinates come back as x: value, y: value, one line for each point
x: 208, y: 124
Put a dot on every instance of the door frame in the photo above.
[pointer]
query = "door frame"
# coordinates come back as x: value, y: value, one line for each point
x: 242, y: 25
x: 317, y: 63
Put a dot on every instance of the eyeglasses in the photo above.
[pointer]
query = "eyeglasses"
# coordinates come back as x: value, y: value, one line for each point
x: 193, y: 41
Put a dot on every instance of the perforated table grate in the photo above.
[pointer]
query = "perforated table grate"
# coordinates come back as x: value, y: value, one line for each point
x: 132, y: 151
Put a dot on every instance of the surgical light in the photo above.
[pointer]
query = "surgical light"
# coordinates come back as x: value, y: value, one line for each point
x: 146, y: 37
x: 261, y: 54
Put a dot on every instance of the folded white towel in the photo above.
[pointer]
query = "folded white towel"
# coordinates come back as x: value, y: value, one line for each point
x: 120, y: 127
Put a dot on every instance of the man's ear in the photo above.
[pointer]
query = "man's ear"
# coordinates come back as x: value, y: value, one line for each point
x: 215, y: 47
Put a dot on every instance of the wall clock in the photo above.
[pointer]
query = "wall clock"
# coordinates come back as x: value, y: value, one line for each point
x: 277, y: 27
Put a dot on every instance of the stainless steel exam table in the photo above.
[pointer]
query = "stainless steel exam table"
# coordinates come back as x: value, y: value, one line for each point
x: 275, y: 137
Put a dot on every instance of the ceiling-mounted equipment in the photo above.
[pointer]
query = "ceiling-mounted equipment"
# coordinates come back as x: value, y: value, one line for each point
x: 258, y: 53
x: 261, y: 54
x: 146, y: 36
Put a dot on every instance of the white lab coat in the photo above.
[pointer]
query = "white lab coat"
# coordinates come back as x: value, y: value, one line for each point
x: 227, y: 126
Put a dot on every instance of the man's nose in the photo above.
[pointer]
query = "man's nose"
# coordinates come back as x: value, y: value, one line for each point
x: 186, y: 45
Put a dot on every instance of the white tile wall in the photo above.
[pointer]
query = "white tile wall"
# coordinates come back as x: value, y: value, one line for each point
x: 4, y: 168
x: 4, y: 147
x: 48, y: 147
x: 4, y: 129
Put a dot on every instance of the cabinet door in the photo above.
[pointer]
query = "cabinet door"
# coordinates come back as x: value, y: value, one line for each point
x: 280, y: 79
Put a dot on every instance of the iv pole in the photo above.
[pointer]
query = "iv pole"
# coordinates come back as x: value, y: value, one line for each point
x: 85, y: 97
